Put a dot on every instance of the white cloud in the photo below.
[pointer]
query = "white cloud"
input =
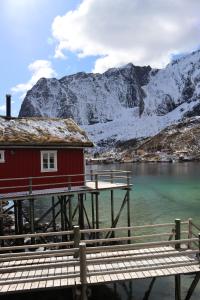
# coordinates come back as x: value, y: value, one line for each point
x: 122, y: 31
x: 38, y: 69
x: 3, y: 108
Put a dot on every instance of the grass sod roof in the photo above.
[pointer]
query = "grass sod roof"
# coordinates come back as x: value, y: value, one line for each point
x: 35, y: 131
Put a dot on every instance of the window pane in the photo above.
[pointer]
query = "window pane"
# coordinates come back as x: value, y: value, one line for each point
x: 51, y: 160
x: 45, y: 160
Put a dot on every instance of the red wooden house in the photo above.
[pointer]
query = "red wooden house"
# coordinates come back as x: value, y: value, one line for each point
x: 40, y: 153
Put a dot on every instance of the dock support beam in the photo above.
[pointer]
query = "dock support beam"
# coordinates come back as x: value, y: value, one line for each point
x: 1, y: 224
x: 177, y: 232
x: 112, y: 211
x: 177, y: 287
x: 97, y: 212
x: 193, y: 286
x: 81, y: 211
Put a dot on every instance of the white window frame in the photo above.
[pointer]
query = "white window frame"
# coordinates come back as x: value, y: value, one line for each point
x: 48, y: 152
x: 2, y: 157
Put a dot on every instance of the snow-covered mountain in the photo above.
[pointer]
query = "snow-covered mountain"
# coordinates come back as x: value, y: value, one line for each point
x: 122, y: 103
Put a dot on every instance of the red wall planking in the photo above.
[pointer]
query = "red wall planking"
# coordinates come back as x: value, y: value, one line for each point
x: 21, y: 163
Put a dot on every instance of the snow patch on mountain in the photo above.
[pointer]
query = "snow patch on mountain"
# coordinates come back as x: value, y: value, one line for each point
x: 122, y: 103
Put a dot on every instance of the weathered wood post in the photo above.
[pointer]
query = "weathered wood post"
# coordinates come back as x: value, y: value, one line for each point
x: 53, y: 213
x: 30, y: 185
x: 199, y: 247
x: 69, y: 183
x: 112, y: 204
x: 83, y: 271
x: 77, y: 238
x: 97, y: 213
x: 189, y: 232
x: 70, y: 210
x: 177, y: 247
x: 81, y: 221
x: 177, y: 233
x: 32, y: 218
x: 128, y: 205
x: 96, y: 181
x: 91, y: 175
x: 177, y: 287
x: 1, y: 224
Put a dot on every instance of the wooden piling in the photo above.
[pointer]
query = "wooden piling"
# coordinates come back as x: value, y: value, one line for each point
x: 177, y: 232
x: 178, y: 287
x: 83, y: 271
x: 77, y: 238
x: 53, y: 213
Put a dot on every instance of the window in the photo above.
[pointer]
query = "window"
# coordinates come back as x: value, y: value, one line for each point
x: 2, y: 156
x: 48, y: 161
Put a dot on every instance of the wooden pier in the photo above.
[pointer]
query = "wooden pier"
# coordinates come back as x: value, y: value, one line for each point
x: 66, y: 199
x: 173, y: 249
x: 84, y: 255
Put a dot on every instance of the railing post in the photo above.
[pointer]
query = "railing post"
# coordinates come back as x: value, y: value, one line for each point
x: 189, y: 232
x: 96, y: 181
x: 199, y: 247
x: 177, y: 232
x: 83, y: 271
x: 30, y: 185
x: 77, y: 238
x: 128, y: 180
x: 91, y: 175
x: 69, y: 182
x: 111, y: 176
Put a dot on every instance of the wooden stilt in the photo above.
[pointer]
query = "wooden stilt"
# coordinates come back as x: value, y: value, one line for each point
x: 81, y: 212
x: 1, y: 224
x: 70, y: 211
x: 128, y: 213
x: 61, y: 214
x: 112, y: 210
x: 97, y: 212
x: 93, y: 213
x: 177, y: 287
x: 32, y: 218
x: 148, y: 292
x: 16, y: 217
x: 20, y: 217
x: 193, y: 286
x: 53, y: 213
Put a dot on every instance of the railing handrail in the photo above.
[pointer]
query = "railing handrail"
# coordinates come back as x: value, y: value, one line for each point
x: 66, y: 175
x: 89, y: 230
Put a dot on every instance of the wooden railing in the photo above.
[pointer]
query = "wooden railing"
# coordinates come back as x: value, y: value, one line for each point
x: 179, y: 230
x: 81, y: 254
x: 30, y: 184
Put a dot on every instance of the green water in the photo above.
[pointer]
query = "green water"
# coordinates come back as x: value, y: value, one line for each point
x: 161, y: 193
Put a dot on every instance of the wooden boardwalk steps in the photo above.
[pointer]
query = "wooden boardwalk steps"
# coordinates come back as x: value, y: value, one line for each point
x: 97, y: 262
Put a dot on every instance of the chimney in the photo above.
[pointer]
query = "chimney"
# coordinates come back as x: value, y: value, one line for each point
x: 8, y: 106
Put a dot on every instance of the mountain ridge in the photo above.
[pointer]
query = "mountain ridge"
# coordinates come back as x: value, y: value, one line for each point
x: 122, y: 103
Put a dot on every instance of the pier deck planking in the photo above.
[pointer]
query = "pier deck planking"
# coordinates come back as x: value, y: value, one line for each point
x: 41, y: 274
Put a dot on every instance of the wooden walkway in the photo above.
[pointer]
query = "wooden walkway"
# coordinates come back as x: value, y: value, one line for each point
x: 91, y: 262
x: 64, y: 271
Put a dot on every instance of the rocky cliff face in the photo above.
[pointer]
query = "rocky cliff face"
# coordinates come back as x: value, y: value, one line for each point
x: 122, y: 103
x: 88, y: 98
x: 184, y: 136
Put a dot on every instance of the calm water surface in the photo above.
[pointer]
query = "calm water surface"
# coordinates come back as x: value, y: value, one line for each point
x: 161, y: 193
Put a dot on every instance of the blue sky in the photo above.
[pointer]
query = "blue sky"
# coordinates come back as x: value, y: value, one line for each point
x: 25, y: 35
x: 59, y: 37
